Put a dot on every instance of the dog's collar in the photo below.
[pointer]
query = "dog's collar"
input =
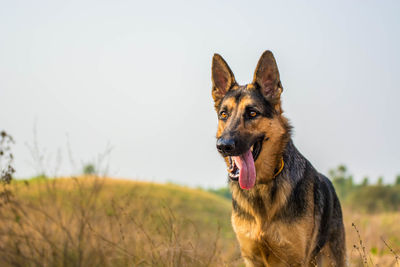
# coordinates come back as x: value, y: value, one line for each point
x: 280, y: 169
x: 277, y: 172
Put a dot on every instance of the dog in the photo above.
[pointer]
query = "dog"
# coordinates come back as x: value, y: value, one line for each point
x: 284, y: 212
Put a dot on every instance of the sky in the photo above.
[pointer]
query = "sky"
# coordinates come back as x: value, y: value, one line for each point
x: 131, y: 80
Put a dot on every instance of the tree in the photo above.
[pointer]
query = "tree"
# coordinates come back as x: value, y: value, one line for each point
x: 365, y: 181
x: 6, y: 158
x: 342, y: 181
x: 89, y: 169
x: 397, y: 181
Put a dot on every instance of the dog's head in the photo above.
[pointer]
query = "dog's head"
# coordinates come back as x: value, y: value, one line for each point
x: 251, y: 127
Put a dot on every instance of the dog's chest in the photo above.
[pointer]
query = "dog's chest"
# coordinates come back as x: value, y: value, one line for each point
x: 276, y: 238
x: 275, y: 233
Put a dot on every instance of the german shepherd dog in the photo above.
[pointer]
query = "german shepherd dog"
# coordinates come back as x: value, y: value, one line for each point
x: 285, y: 213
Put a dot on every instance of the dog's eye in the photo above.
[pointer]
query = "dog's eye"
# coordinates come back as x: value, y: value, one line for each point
x: 252, y: 114
x: 223, y: 115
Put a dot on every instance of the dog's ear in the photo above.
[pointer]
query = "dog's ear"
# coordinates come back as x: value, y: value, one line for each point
x: 266, y: 76
x: 222, y: 78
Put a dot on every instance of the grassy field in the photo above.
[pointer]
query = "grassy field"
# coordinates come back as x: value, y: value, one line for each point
x: 372, y: 239
x: 91, y: 221
x: 105, y: 222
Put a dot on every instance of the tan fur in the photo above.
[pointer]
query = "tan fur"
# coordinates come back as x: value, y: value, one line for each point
x: 287, y: 243
x: 325, y: 258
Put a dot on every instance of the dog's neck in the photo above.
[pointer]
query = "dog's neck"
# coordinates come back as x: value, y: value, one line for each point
x: 269, y: 162
x: 269, y: 195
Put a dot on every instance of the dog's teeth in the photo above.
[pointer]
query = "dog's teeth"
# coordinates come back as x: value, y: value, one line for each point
x: 251, y: 148
x: 236, y: 175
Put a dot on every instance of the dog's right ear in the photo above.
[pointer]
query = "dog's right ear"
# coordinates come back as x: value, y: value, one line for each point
x: 267, y: 77
x: 222, y: 78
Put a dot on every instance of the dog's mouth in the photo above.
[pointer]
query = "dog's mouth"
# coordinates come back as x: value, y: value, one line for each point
x: 242, y: 167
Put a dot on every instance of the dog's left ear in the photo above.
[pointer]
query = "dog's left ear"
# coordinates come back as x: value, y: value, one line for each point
x: 267, y: 77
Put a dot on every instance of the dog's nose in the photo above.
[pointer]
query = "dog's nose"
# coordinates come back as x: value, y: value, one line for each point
x: 225, y: 145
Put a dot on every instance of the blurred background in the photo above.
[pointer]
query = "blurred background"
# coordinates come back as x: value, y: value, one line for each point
x: 133, y: 77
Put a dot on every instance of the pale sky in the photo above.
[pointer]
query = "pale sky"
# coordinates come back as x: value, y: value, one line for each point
x: 136, y: 75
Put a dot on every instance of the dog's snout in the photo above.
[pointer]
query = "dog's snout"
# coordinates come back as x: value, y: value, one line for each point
x: 226, y: 145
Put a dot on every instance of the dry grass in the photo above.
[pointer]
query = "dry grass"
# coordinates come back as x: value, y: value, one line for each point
x: 101, y: 222
x: 91, y: 221
x: 373, y: 239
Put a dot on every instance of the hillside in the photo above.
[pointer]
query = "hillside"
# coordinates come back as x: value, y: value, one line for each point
x: 90, y: 221
x: 107, y: 222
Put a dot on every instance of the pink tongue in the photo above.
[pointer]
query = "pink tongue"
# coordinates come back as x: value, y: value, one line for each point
x: 247, y: 174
